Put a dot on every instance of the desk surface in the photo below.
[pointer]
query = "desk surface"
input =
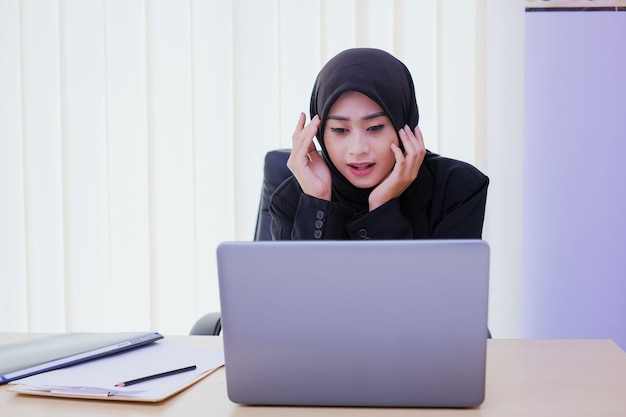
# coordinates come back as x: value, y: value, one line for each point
x: 524, y: 377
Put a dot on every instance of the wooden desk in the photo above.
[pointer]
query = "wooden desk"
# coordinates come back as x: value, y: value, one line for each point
x: 542, y: 378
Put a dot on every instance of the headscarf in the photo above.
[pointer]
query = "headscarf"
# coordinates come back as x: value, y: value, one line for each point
x: 376, y: 74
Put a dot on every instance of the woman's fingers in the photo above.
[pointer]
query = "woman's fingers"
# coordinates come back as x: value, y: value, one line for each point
x: 414, y: 152
x: 405, y: 170
x: 419, y: 140
x: 413, y: 141
x: 299, y: 125
x: 303, y: 144
x: 302, y: 139
x: 305, y: 163
x: 305, y: 131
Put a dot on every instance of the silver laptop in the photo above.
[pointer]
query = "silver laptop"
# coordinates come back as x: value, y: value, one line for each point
x: 355, y: 323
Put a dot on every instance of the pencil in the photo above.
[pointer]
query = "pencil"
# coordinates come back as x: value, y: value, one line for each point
x: 155, y: 376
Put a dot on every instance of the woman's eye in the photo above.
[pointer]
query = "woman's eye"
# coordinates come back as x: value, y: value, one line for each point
x: 338, y: 130
x: 375, y: 128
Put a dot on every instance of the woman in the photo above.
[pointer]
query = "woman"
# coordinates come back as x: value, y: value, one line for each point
x: 374, y: 178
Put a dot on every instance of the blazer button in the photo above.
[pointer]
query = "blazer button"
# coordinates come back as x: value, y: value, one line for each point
x: 319, y: 214
x: 317, y: 234
x: 363, y: 234
x: 319, y: 224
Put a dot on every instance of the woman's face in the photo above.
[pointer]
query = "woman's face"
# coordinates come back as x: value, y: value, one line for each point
x: 358, y: 138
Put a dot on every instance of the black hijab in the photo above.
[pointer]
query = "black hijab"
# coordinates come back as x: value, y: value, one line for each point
x: 381, y: 77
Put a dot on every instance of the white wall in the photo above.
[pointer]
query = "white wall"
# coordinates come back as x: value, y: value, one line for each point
x: 132, y: 135
x: 502, y: 150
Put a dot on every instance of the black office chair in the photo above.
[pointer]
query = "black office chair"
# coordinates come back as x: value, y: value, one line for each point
x: 275, y: 171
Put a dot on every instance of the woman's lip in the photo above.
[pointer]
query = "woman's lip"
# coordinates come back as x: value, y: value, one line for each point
x: 362, y: 168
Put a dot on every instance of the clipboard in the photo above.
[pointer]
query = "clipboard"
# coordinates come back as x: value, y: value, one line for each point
x: 91, y: 395
x: 96, y: 379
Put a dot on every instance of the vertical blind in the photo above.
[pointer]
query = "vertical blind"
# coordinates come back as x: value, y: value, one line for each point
x: 132, y: 136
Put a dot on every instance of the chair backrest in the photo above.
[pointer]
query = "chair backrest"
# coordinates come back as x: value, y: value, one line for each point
x: 275, y: 171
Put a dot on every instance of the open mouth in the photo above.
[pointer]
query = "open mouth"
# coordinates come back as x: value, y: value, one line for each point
x: 361, y: 166
x: 361, y: 170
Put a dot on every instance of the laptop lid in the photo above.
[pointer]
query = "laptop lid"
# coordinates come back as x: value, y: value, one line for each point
x: 355, y: 323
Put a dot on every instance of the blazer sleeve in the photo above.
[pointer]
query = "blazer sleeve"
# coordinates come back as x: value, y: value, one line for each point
x: 461, y: 204
x: 299, y: 216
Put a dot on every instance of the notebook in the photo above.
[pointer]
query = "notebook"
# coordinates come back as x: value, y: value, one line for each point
x: 33, y: 356
x: 355, y: 323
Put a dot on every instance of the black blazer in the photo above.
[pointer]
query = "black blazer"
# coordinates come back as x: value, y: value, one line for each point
x: 446, y: 201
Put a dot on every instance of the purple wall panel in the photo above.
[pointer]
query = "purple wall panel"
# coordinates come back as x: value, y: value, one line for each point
x: 574, y: 278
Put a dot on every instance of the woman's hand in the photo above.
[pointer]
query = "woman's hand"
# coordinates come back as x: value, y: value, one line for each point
x: 404, y: 171
x: 305, y: 162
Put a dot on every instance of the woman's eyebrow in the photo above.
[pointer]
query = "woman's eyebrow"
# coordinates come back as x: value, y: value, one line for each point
x: 374, y: 115
x: 366, y: 117
x: 334, y: 117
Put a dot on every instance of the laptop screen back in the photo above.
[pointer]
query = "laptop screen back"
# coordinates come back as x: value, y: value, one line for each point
x: 355, y: 323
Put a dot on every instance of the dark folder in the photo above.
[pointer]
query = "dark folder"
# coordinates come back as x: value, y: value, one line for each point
x: 22, y: 359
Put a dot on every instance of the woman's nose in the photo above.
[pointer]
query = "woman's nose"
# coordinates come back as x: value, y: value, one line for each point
x: 359, y: 144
